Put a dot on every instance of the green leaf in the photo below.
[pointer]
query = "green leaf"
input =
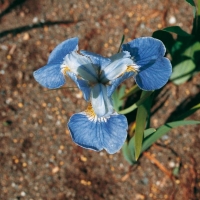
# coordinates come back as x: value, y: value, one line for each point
x: 191, y: 2
x: 166, y: 38
x: 149, y: 131
x: 141, y: 117
x: 117, y: 98
x: 182, y: 71
x: 177, y: 30
x: 128, y: 148
x: 135, y: 105
x: 127, y: 153
x: 189, y: 112
x: 122, y: 41
x: 162, y: 130
x: 131, y: 91
x: 189, y: 52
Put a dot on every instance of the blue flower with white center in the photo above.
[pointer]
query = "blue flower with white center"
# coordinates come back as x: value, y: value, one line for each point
x: 98, y: 133
x: 150, y: 69
x: 95, y: 73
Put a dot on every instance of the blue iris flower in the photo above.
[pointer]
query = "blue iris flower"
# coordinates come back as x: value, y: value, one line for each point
x: 99, y: 126
x: 150, y: 69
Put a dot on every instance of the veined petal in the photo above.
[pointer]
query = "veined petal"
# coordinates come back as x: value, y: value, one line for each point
x: 116, y: 82
x: 82, y: 85
x: 123, y: 54
x: 50, y: 76
x: 101, y: 104
x: 80, y: 65
x: 103, y: 133
x: 64, y: 48
x: 97, y: 59
x: 154, y: 74
x: 145, y: 49
x: 115, y: 69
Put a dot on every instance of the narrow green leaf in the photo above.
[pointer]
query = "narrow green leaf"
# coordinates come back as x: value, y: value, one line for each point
x: 135, y: 105
x: 182, y: 72
x: 149, y: 131
x: 189, y: 112
x: 127, y: 154
x: 131, y: 91
x: 162, y: 130
x: 141, y: 118
x: 117, y: 98
x: 177, y: 30
x: 122, y: 41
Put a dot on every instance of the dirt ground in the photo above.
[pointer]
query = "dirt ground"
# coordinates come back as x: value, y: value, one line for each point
x: 38, y: 160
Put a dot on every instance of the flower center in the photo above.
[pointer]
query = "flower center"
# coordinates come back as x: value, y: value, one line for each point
x: 65, y: 69
x: 92, y: 116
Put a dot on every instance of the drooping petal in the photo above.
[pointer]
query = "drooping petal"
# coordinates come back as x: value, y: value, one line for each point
x: 97, y: 59
x: 50, y: 76
x: 64, y: 48
x: 154, y: 74
x: 116, y: 82
x: 103, y: 133
x: 82, y: 85
x: 153, y: 69
x: 80, y: 65
x: 115, y: 69
x: 145, y: 49
x: 101, y: 104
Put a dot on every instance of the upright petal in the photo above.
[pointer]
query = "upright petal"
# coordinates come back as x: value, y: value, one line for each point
x: 101, y: 104
x: 82, y: 85
x: 97, y: 59
x: 154, y: 74
x: 64, y: 48
x: 115, y: 69
x: 145, y: 49
x: 100, y: 133
x: 80, y: 65
x: 50, y: 76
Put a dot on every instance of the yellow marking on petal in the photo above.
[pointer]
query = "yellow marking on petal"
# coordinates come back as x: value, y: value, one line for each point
x: 65, y: 69
x: 90, y: 112
x: 131, y: 69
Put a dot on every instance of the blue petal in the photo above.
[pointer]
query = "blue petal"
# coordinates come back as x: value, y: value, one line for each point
x: 97, y: 59
x: 101, y: 104
x: 64, y: 48
x: 115, y: 83
x: 154, y: 74
x: 109, y: 134
x: 82, y: 85
x: 145, y: 49
x: 50, y: 76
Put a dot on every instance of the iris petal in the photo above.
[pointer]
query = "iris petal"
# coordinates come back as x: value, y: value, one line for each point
x: 154, y: 74
x: 80, y: 65
x: 101, y: 104
x: 115, y: 69
x: 97, y: 59
x: 116, y: 82
x: 82, y: 85
x: 109, y: 134
x: 64, y: 48
x: 50, y: 76
x: 145, y: 49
